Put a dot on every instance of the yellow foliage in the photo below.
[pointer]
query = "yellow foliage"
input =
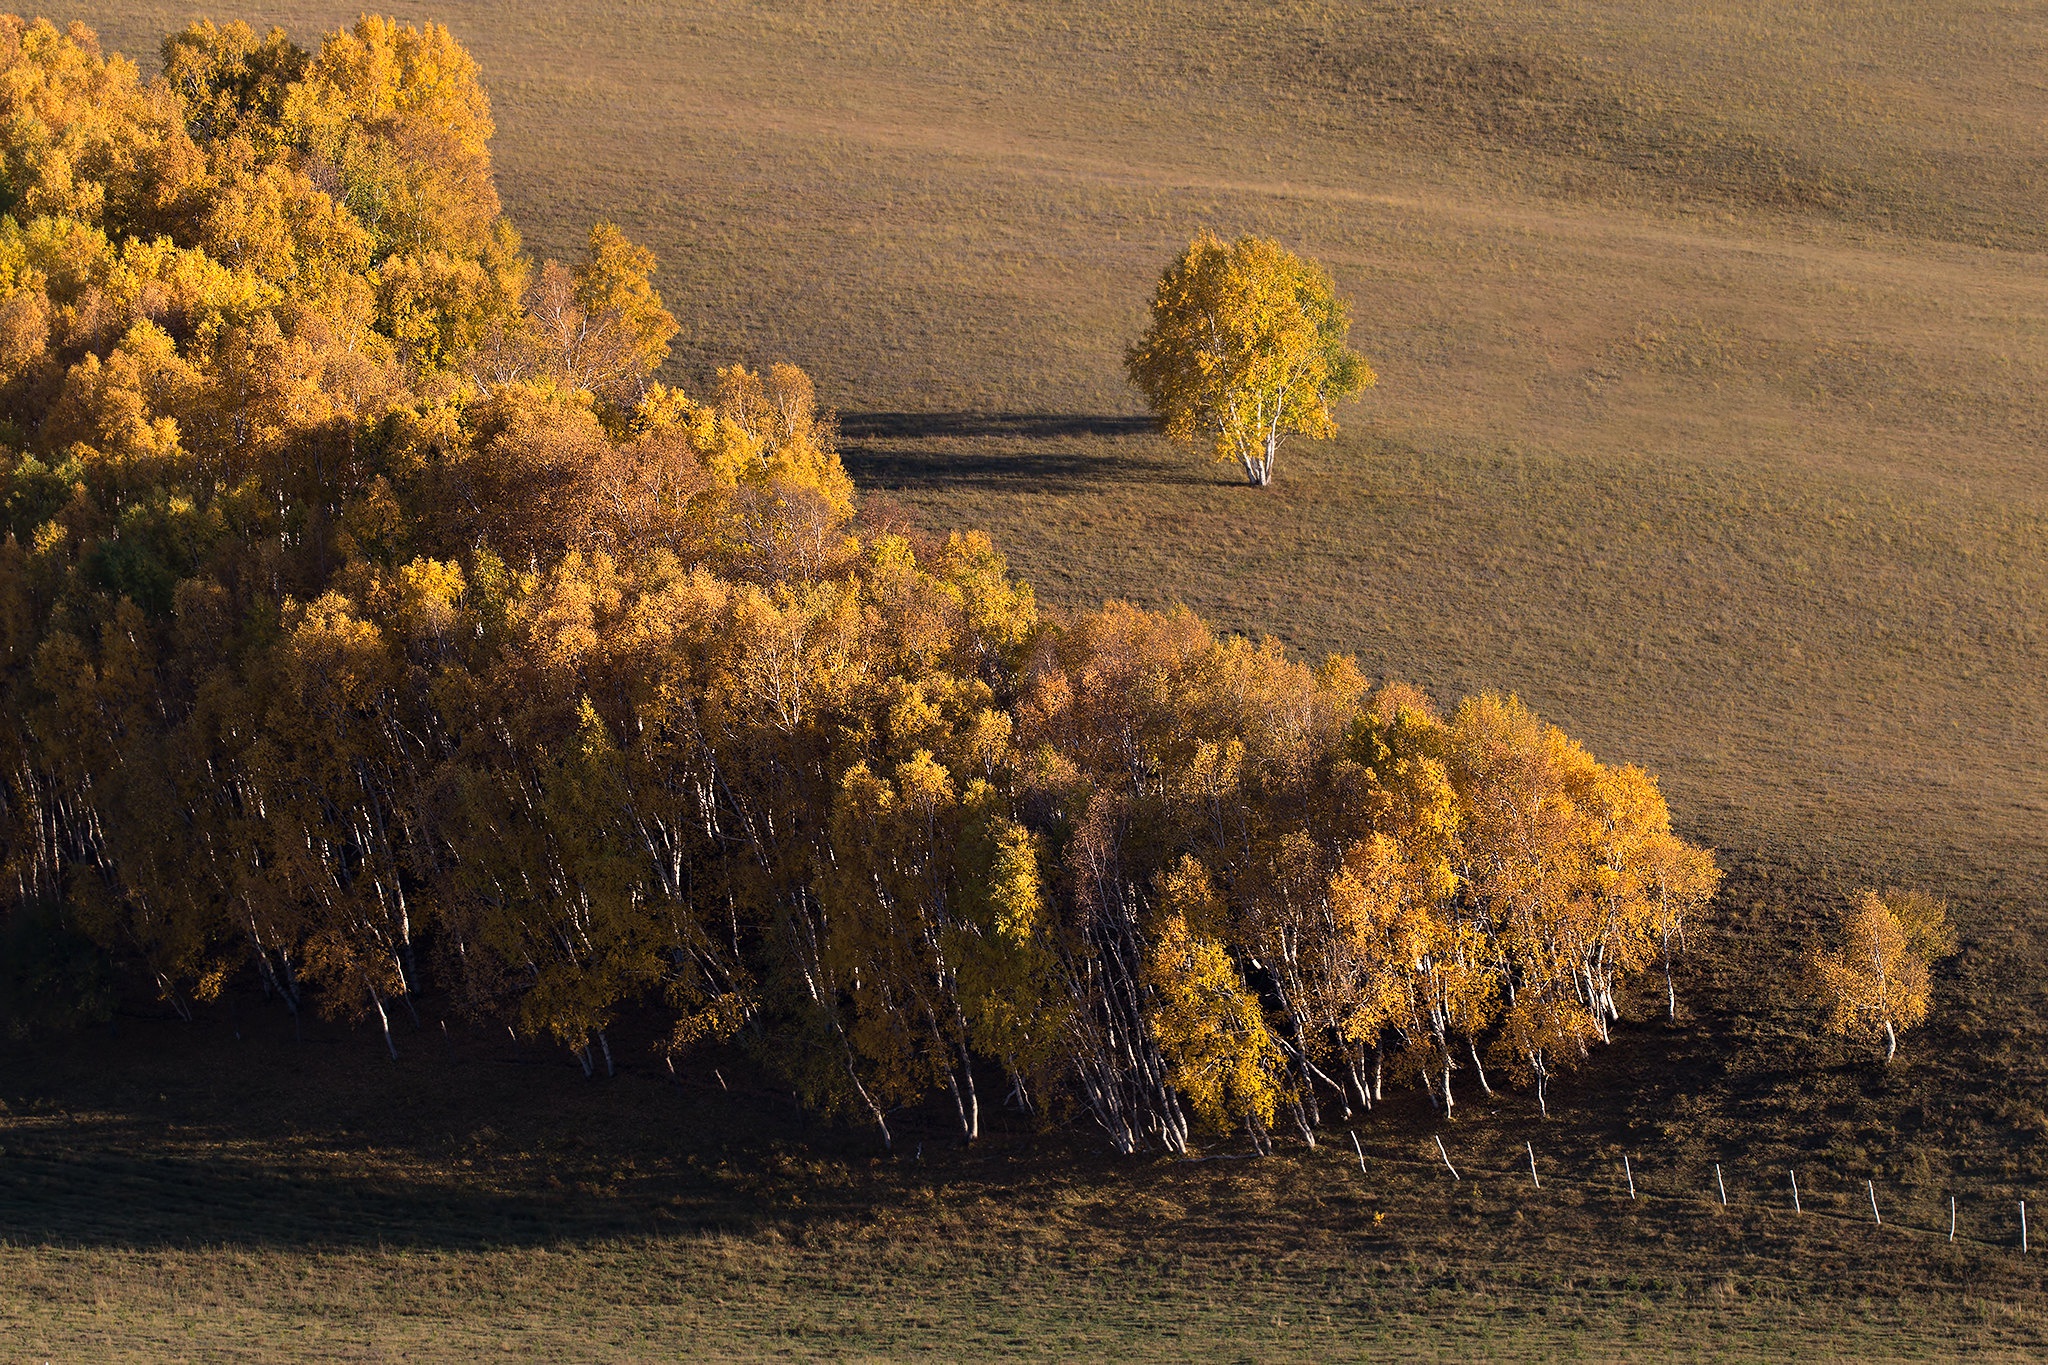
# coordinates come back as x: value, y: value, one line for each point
x: 1222, y: 1057
x: 1247, y: 346
x: 369, y: 618
x: 337, y: 659
x: 400, y: 115
x: 83, y: 139
x: 1877, y: 983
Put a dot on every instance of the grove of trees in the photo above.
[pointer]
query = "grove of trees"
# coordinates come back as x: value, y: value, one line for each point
x: 372, y: 625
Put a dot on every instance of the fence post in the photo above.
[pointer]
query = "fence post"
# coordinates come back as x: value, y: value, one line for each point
x: 1795, y: 1191
x: 1532, y: 1165
x: 1722, y: 1183
x: 1631, y: 1175
x: 1871, y: 1185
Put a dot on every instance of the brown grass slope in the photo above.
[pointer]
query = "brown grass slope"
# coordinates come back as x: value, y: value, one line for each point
x: 249, y: 1197
x: 1711, y: 345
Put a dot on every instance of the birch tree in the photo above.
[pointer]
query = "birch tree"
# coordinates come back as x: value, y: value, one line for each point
x: 1876, y: 982
x: 373, y: 627
x: 1247, y: 346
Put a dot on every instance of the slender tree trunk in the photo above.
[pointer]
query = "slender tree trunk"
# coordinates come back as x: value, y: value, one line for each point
x: 1174, y: 1130
x: 1358, y: 1084
x: 385, y: 1020
x: 273, y: 982
x: 1599, y: 1009
x: 959, y: 1104
x: 874, y: 1110
x: 605, y: 1046
x: 973, y: 1095
x: 1313, y: 1112
x: 1474, y: 1047
x: 1891, y: 1041
x: 1301, y: 1121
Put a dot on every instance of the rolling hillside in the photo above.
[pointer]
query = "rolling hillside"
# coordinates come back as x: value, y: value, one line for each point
x: 1711, y: 350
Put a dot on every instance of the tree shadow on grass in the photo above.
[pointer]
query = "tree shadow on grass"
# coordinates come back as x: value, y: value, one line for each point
x: 1034, y: 426
x: 175, y: 1136
x: 228, y: 1133
x: 120, y: 1182
x: 172, y: 1136
x: 1008, y: 451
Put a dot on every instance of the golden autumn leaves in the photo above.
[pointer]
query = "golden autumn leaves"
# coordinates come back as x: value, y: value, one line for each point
x: 1246, y: 347
x: 1876, y: 983
x: 372, y: 624
x: 1501, y: 886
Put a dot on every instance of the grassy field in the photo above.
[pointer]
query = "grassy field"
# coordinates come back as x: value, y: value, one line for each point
x: 1711, y: 349
x: 244, y: 1198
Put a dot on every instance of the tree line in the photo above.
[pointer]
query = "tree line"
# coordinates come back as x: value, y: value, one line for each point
x: 373, y: 623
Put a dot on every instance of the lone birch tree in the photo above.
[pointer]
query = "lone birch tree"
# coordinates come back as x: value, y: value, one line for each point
x: 1247, y: 346
x: 1876, y: 983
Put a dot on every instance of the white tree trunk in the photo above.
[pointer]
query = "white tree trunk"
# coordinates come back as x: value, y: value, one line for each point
x: 385, y: 1020
x: 1474, y: 1046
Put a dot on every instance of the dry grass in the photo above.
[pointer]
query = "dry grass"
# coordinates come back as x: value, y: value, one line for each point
x: 213, y: 1197
x: 1712, y: 345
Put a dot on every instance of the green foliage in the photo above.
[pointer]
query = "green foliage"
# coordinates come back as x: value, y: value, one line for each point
x: 155, y: 546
